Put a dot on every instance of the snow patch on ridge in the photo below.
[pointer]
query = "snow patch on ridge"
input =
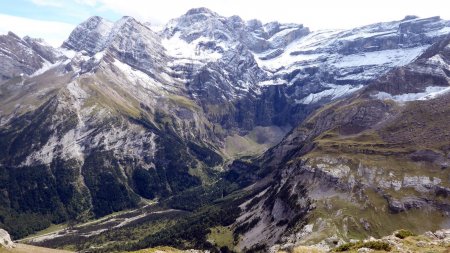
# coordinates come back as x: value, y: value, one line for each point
x: 367, y: 34
x: 67, y: 52
x: 45, y: 67
x: 285, y: 59
x: 299, y: 50
x: 437, y: 60
x: 334, y: 91
x: 441, y: 32
x: 430, y: 92
x: 282, y: 33
x: 394, y: 57
x: 315, y: 40
x: 98, y: 56
x: 270, y: 82
x: 136, y: 77
x: 180, y: 49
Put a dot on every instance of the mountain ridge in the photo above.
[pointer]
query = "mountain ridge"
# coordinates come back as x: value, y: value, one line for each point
x: 361, y: 153
x: 120, y: 115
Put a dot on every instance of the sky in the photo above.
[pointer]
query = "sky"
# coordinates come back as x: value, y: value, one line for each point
x: 53, y: 20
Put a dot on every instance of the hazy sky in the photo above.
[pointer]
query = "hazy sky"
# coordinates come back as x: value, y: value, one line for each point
x: 53, y: 20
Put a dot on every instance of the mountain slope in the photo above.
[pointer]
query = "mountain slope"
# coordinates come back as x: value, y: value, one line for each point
x: 289, y: 71
x: 92, y: 140
x: 120, y: 115
x: 24, y: 56
x: 366, y: 165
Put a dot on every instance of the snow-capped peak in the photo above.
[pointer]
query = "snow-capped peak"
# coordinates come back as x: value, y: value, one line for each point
x: 201, y: 11
x: 89, y: 35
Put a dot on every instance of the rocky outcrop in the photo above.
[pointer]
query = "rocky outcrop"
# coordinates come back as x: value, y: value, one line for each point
x: 5, y: 239
x: 437, y: 241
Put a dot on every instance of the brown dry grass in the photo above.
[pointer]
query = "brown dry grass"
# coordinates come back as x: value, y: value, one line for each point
x: 304, y: 249
x: 24, y: 248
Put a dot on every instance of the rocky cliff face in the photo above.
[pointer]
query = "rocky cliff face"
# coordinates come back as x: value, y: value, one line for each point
x: 304, y: 68
x: 329, y: 64
x: 23, y: 56
x: 216, y: 56
x: 365, y: 165
x: 120, y: 114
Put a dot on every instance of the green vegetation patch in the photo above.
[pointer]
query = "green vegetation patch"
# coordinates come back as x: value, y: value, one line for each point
x: 402, y: 234
x: 375, y: 245
x: 51, y: 229
x: 221, y: 236
x: 340, y: 213
x: 112, y: 97
x: 184, y: 102
x: 255, y: 142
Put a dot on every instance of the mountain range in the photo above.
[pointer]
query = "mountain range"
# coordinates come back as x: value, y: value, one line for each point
x: 267, y: 135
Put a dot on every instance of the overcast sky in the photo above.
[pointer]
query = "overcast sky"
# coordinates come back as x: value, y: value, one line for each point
x: 53, y: 20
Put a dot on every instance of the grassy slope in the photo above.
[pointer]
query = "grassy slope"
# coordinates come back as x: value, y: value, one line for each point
x: 255, y: 142
x: 24, y: 248
x: 385, y: 147
x: 369, y: 150
x: 221, y: 236
x: 53, y: 228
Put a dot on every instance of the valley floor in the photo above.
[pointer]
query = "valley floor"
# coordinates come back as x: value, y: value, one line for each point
x: 62, y: 236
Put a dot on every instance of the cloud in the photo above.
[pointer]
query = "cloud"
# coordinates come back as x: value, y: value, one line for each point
x: 318, y: 14
x: 53, y: 33
x: 87, y: 2
x: 52, y: 3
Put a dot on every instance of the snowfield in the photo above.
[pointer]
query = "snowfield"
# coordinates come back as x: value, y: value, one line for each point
x: 430, y: 92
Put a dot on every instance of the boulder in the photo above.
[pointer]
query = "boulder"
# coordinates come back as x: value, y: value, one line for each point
x: 5, y: 239
x: 442, y: 234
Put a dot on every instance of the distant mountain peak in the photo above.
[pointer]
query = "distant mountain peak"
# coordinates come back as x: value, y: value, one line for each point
x: 201, y: 10
x: 88, y: 35
x: 409, y: 17
x: 14, y: 35
x: 94, y: 20
x: 126, y: 19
